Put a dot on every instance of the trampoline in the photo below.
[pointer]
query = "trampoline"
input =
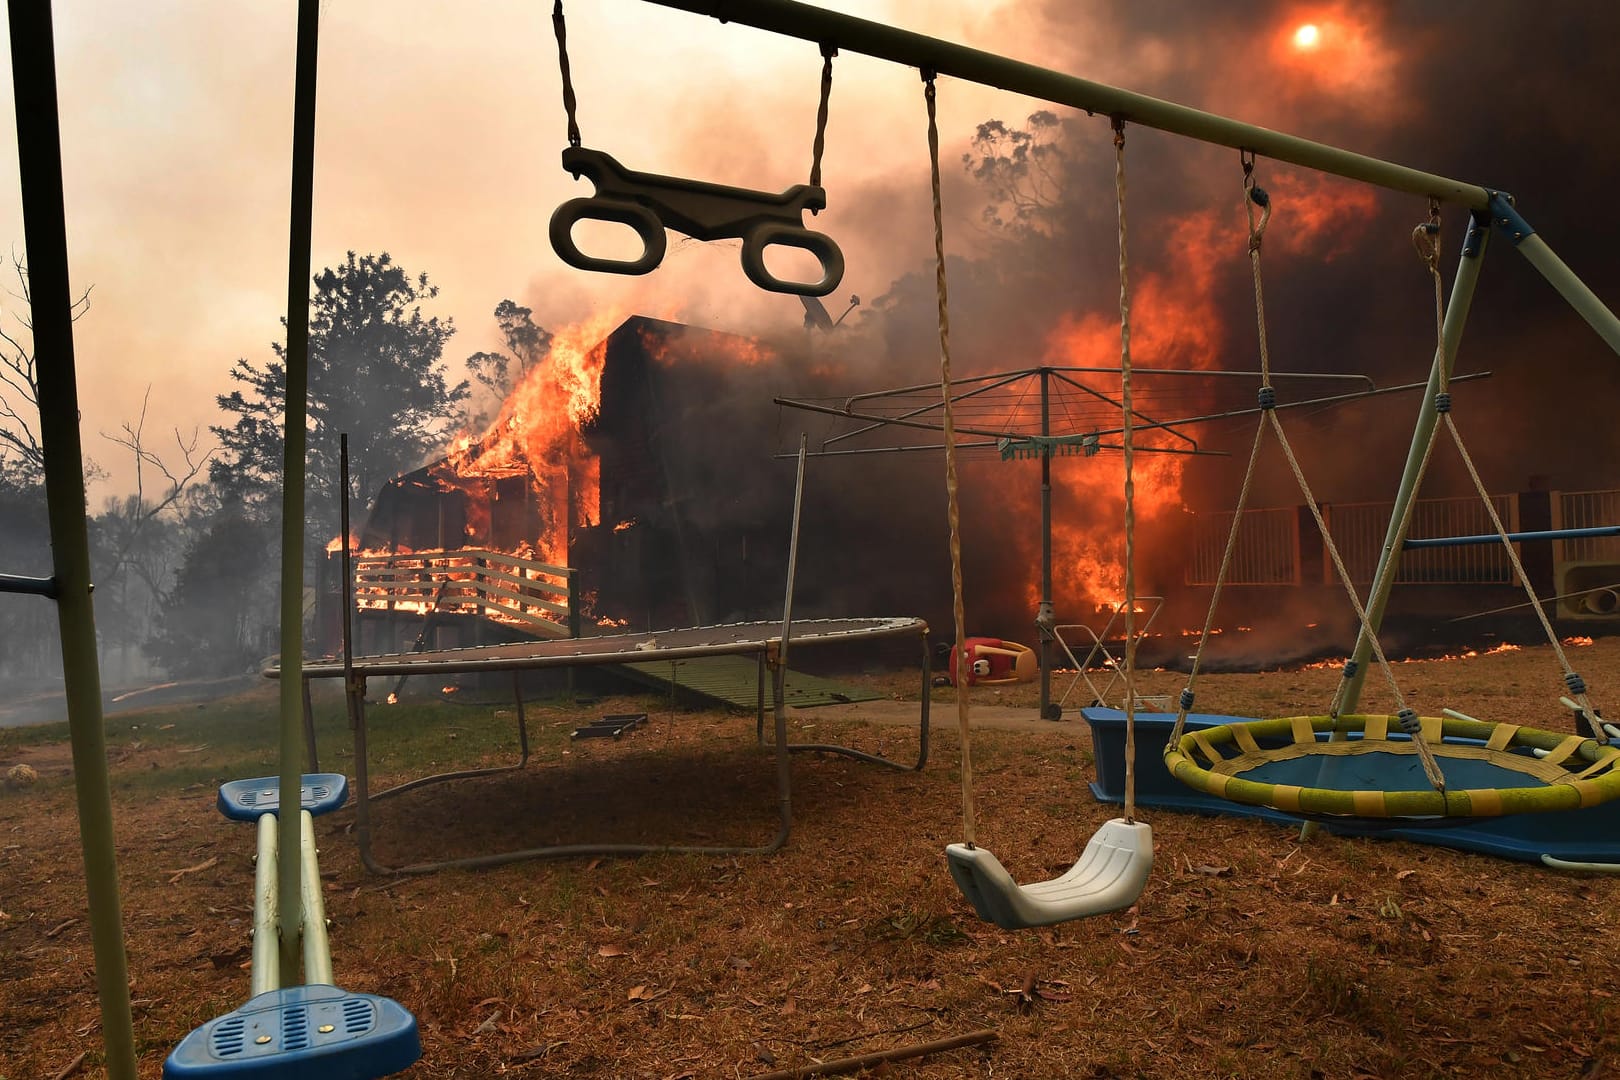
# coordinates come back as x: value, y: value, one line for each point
x: 762, y: 640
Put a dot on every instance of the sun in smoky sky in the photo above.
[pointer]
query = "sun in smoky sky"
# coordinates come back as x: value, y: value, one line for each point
x: 1307, y: 37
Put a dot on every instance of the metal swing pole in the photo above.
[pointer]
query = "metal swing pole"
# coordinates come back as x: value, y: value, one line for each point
x: 39, y: 159
x: 1555, y: 270
x: 289, y: 888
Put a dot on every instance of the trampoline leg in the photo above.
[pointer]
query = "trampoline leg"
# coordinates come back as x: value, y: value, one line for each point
x: 362, y: 779
x: 522, y: 721
x: 309, y: 730
x: 759, y: 709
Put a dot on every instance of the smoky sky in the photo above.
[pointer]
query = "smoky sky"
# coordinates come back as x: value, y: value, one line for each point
x: 1506, y: 97
x: 439, y: 131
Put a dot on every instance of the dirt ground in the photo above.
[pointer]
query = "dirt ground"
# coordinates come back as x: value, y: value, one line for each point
x: 1251, y: 953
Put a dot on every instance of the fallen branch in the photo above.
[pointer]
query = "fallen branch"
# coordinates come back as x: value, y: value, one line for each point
x: 176, y: 875
x: 71, y: 1067
x: 878, y: 1057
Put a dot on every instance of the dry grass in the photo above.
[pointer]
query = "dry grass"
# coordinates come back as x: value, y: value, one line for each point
x: 1250, y: 955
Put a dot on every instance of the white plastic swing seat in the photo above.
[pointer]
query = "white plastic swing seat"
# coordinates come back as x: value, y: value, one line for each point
x: 1110, y: 876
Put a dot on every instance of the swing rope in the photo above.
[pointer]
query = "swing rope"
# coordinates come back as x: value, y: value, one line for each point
x: 1126, y: 433
x: 1114, y: 867
x: 1258, y: 205
x: 1426, y: 237
x: 951, y: 504
x: 820, y: 144
x: 570, y: 103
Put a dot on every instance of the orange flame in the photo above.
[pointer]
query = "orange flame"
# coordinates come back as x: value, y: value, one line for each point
x: 538, y: 436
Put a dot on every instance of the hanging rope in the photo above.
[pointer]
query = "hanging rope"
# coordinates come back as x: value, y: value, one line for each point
x: 951, y: 508
x: 570, y: 103
x: 820, y: 144
x: 1130, y: 478
x: 1252, y: 196
x: 1258, y: 206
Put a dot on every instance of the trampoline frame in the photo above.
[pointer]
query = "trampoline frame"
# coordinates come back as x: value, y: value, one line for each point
x: 762, y: 640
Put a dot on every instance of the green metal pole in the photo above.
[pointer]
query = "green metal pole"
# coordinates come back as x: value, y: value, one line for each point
x: 849, y: 34
x: 39, y: 159
x: 1551, y: 267
x: 290, y: 890
x: 1462, y: 297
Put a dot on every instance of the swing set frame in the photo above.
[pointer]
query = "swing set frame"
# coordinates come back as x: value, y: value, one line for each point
x: 40, y: 168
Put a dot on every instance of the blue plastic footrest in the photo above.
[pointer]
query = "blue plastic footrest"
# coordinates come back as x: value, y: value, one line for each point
x: 248, y: 800
x: 301, y: 1033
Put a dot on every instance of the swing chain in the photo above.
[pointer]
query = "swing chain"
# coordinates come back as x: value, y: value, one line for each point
x: 570, y: 102
x: 828, y: 51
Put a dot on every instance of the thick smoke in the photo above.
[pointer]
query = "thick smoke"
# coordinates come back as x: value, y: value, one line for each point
x: 1499, y: 99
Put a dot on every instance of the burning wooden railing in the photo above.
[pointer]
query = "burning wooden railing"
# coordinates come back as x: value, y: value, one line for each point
x: 532, y: 596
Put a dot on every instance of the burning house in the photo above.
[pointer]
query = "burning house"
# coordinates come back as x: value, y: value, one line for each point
x: 610, y: 459
x: 629, y: 481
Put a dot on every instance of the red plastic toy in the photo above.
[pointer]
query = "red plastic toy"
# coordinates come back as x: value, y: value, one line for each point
x: 992, y: 660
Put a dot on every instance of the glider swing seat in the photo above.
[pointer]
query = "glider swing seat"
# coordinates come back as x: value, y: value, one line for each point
x: 316, y: 1030
x: 1348, y: 764
x: 1113, y: 869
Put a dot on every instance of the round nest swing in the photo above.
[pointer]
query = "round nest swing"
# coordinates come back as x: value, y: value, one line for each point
x: 1371, y: 768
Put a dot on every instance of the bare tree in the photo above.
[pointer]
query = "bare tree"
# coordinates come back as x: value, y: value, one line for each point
x: 21, y: 455
x: 140, y: 539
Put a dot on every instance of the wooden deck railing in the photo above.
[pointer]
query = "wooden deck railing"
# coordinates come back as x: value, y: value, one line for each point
x: 531, y: 595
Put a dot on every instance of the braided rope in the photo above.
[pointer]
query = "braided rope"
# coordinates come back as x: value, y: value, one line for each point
x: 1130, y: 478
x: 1185, y: 704
x: 1256, y: 231
x: 820, y: 144
x: 1573, y: 681
x: 952, y: 511
x: 1426, y: 239
x: 570, y: 103
x: 1431, y: 768
x: 1408, y: 718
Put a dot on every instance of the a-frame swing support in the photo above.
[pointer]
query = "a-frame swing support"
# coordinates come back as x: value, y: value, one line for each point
x: 850, y: 34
